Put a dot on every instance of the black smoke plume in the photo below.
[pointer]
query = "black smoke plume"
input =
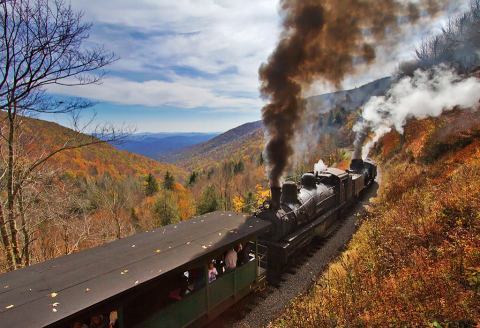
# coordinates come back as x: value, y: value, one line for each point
x: 323, y: 40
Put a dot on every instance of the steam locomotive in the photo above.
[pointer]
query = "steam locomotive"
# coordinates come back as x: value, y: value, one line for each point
x: 298, y: 213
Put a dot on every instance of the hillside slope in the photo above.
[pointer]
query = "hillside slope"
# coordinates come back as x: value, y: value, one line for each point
x: 245, y: 139
x: 92, y: 160
x: 414, y: 260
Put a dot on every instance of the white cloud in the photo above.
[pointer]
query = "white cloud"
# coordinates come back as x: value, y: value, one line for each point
x: 223, y: 41
x: 154, y: 93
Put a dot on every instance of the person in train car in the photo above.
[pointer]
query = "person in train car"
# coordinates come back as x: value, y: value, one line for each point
x: 230, y: 260
x: 181, y: 282
x: 212, y: 272
x: 220, y: 264
x: 78, y: 324
x: 243, y: 254
x: 113, y: 320
x: 98, y: 321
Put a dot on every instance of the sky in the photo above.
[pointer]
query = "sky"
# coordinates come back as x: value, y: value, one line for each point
x: 192, y: 65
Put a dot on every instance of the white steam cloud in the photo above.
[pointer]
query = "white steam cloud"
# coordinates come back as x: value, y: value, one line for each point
x: 425, y: 94
x: 319, y: 167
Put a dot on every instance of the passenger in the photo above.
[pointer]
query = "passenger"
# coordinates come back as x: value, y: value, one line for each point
x: 113, y: 320
x: 244, y: 255
x: 212, y: 272
x: 97, y: 321
x: 175, y: 294
x: 220, y: 266
x: 230, y: 260
x: 181, y: 282
x: 78, y: 324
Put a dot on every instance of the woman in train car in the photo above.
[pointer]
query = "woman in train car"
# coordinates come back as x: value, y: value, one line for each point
x: 113, y: 320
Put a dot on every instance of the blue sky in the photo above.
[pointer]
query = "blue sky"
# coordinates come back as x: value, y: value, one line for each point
x: 191, y: 65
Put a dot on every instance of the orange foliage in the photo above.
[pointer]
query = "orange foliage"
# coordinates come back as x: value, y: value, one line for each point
x: 185, y: 203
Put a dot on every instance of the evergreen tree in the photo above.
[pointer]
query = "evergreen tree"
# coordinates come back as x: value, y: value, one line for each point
x: 165, y: 210
x: 151, y: 185
x: 209, y: 201
x: 168, y: 181
x: 238, y: 167
x: 192, y: 179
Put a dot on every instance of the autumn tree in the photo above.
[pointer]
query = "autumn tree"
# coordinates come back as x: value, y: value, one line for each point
x: 165, y: 210
x: 41, y: 44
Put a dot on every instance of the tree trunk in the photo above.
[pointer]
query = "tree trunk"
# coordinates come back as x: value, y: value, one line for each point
x: 6, y: 241
x: 26, y: 235
x: 10, y: 188
x: 119, y: 228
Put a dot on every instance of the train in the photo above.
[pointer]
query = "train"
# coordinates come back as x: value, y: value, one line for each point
x: 299, y: 212
x: 130, y: 281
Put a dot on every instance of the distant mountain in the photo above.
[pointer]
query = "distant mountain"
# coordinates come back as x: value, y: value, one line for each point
x: 351, y: 99
x: 220, y: 147
x: 159, y: 145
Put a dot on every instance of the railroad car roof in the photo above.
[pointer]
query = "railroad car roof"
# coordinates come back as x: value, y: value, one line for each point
x: 47, y: 292
x: 337, y: 172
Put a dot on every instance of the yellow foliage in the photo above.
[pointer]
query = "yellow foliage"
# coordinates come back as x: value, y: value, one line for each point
x: 261, y: 194
x: 238, y: 203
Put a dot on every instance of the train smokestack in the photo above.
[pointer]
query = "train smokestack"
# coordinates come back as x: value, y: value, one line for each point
x: 357, y: 165
x: 276, y: 194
